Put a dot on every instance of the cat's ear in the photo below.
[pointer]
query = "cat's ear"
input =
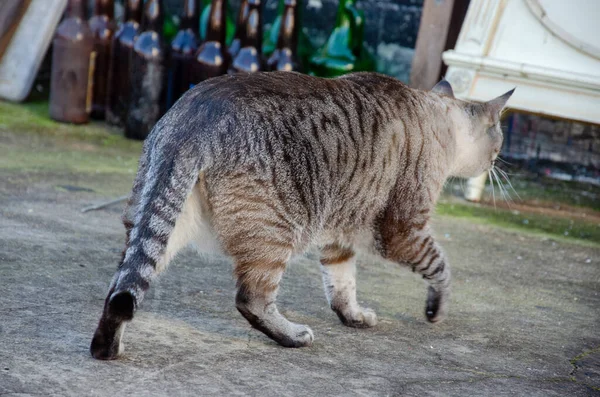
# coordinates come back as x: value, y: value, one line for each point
x: 443, y: 88
x: 495, y: 106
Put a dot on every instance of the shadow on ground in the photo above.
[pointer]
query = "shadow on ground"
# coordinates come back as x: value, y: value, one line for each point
x: 524, y: 318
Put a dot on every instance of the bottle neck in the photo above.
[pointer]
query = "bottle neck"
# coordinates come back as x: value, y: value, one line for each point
x: 134, y: 10
x: 241, y: 19
x: 342, y: 17
x: 76, y: 9
x: 153, y: 16
x: 190, y: 19
x: 280, y: 6
x: 104, y: 7
x: 253, y: 30
x: 217, y: 21
x: 288, y: 32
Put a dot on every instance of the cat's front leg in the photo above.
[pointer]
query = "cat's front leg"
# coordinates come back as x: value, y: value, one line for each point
x: 338, y: 265
x: 414, y: 245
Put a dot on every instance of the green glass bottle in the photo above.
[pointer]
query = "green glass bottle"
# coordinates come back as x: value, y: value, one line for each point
x: 271, y: 36
x: 344, y: 51
x: 170, y: 27
x: 305, y: 48
x: 205, y: 22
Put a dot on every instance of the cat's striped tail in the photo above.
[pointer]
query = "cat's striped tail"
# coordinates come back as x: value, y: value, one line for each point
x: 166, y: 176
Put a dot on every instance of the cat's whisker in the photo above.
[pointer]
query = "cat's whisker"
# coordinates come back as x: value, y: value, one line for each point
x: 513, y: 173
x: 509, y: 198
x: 503, y: 191
x: 461, y: 183
x: 504, y: 161
x: 505, y: 175
x: 492, y: 183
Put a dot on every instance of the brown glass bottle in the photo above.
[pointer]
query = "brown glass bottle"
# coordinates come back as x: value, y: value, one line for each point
x: 147, y: 77
x: 212, y: 58
x: 240, y: 29
x: 72, y: 67
x: 103, y: 28
x: 183, y: 50
x: 120, y: 63
x: 249, y: 58
x: 285, y: 55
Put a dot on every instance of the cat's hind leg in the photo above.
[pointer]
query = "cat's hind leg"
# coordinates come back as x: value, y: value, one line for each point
x: 338, y: 265
x: 257, y: 285
x: 260, y: 239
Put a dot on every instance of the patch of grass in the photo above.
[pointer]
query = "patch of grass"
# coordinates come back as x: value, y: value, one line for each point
x: 39, y: 159
x: 34, y: 117
x: 557, y: 227
x: 35, y: 149
x: 555, y: 192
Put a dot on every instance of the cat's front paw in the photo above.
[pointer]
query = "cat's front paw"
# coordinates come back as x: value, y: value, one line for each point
x: 437, y: 304
x: 359, y: 318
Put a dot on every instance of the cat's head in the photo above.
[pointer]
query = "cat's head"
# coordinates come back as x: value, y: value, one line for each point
x: 477, y: 131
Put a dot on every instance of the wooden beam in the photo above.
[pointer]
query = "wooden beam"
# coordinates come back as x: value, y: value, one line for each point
x: 440, y: 23
x: 11, y: 13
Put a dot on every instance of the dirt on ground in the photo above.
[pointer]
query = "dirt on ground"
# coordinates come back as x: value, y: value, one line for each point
x: 523, y: 321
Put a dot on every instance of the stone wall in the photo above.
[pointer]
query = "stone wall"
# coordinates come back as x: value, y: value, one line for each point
x: 571, y: 146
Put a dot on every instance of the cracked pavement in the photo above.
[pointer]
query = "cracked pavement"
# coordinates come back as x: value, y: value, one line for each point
x: 524, y: 316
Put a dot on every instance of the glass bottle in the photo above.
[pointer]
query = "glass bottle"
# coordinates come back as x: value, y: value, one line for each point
x: 271, y: 36
x: 103, y: 28
x: 285, y: 55
x: 71, y: 80
x: 249, y: 57
x: 120, y: 63
x: 304, y: 47
x: 147, y: 78
x: 212, y: 58
x: 183, y: 50
x: 240, y: 29
x: 344, y: 51
x: 205, y: 18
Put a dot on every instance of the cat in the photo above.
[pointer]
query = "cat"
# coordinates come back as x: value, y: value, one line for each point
x: 262, y: 166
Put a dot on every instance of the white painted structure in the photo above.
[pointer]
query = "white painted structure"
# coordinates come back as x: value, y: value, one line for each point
x: 548, y: 49
x: 25, y: 53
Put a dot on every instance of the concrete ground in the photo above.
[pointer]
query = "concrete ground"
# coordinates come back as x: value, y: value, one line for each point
x: 524, y: 319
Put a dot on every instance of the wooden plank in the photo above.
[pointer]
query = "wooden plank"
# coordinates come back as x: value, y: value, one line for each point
x: 438, y: 19
x: 27, y: 47
x: 11, y: 13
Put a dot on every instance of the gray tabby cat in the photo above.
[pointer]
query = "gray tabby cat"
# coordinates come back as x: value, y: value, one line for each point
x: 262, y: 166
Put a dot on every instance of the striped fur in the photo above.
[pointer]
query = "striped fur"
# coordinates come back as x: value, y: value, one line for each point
x: 262, y: 166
